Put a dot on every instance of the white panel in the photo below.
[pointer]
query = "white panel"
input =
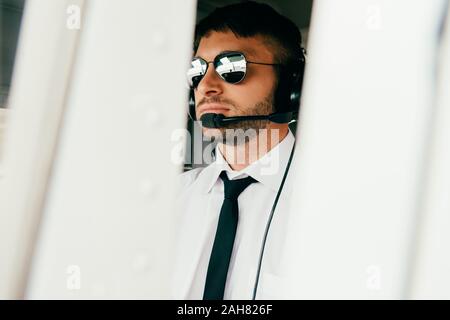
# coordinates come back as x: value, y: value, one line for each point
x: 364, y: 120
x: 107, y: 222
x: 3, y: 116
x: 432, y: 276
x: 41, y: 73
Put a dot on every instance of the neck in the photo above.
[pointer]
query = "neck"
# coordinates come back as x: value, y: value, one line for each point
x: 241, y: 156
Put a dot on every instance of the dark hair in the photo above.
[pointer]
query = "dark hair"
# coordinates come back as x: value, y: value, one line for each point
x: 248, y: 19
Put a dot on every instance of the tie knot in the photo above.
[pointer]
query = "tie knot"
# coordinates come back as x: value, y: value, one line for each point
x: 233, y: 188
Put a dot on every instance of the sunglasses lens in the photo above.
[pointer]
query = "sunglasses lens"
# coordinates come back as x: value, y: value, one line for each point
x: 231, y: 67
x: 196, y: 72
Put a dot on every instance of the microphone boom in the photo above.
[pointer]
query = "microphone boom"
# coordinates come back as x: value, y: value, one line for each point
x: 218, y: 120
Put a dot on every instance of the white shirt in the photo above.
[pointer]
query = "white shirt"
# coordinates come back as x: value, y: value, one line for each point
x: 200, y: 202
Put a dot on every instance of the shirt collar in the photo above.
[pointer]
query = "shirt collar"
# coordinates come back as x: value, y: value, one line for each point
x: 268, y: 170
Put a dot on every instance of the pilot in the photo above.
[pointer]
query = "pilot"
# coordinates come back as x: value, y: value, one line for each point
x: 245, y: 81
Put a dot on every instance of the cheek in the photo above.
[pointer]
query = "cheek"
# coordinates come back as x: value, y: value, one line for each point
x: 196, y: 97
x: 254, y: 92
x: 261, y: 83
x: 245, y: 96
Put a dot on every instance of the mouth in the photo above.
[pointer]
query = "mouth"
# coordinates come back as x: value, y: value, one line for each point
x: 212, y: 108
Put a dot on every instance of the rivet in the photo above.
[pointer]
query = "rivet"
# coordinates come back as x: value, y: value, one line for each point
x: 154, y: 117
x: 147, y: 188
x: 141, y: 262
x: 158, y: 39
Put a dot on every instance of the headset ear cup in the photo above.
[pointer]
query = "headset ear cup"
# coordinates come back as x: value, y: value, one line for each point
x: 296, y: 85
x: 288, y: 92
x: 294, y: 96
x: 191, y: 110
x: 283, y: 91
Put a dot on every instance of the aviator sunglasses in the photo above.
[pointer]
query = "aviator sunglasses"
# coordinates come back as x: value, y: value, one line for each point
x: 231, y: 66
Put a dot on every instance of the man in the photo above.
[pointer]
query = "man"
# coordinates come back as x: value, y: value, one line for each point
x: 248, y: 62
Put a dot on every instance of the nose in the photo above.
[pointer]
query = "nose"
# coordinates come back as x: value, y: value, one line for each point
x: 211, y: 84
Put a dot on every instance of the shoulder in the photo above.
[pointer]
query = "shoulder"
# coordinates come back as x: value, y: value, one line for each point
x: 187, y: 178
x: 189, y: 183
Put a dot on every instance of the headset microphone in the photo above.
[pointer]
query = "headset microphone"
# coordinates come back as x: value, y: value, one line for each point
x: 218, y: 120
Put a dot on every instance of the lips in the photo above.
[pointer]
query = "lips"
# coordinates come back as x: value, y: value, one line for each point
x: 212, y: 108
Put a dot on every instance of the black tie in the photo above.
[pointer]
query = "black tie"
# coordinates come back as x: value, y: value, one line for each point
x: 224, y: 240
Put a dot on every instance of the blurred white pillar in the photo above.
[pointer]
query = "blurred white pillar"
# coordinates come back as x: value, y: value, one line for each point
x: 106, y: 223
x: 3, y: 117
x: 431, y: 277
x: 365, y: 118
x: 41, y: 76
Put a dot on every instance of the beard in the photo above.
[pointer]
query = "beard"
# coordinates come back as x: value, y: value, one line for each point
x: 243, y: 131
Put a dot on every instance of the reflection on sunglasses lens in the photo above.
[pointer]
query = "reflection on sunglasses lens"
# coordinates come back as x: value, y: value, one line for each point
x: 233, y: 77
x: 230, y: 67
x: 196, y: 80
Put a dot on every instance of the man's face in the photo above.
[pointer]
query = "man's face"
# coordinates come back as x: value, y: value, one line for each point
x: 251, y: 96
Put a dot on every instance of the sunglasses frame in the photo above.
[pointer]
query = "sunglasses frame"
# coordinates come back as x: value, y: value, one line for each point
x: 217, y: 59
